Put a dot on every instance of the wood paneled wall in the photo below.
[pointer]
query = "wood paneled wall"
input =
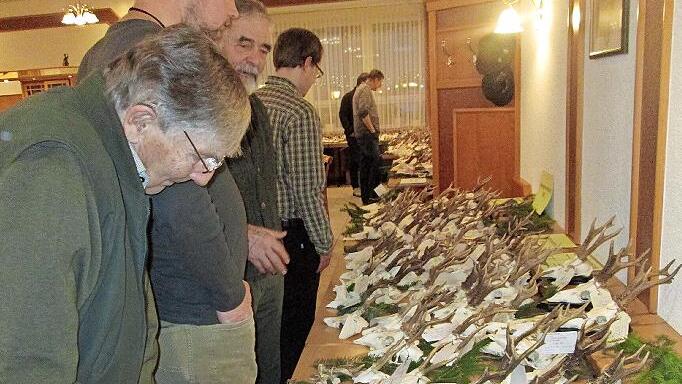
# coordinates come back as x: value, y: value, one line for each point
x: 455, y: 85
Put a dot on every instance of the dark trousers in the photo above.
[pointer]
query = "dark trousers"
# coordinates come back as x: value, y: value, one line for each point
x: 300, y: 295
x: 353, y: 161
x: 370, y: 164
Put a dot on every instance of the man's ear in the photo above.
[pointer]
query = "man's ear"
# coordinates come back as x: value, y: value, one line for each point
x: 308, y: 63
x: 136, y: 120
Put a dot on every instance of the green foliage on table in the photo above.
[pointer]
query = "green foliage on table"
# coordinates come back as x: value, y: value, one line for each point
x: 379, y: 310
x: 664, y: 365
x: 513, y: 210
x: 356, y: 218
x: 373, y: 311
x: 464, y: 369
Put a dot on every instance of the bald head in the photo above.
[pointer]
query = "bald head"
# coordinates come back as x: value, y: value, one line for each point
x: 211, y: 16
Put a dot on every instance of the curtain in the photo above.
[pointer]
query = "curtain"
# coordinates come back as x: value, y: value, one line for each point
x: 397, y: 48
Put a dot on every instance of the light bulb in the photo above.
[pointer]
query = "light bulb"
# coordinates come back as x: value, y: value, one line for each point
x: 509, y: 22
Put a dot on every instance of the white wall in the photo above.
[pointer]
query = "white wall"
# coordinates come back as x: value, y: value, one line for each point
x: 543, y: 100
x: 607, y: 135
x: 41, y: 48
x: 670, y: 296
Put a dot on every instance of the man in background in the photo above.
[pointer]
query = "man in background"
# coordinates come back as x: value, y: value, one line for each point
x: 366, y: 129
x: 199, y: 242
x: 300, y: 184
x: 75, y: 165
x: 247, y: 44
x: 346, y: 117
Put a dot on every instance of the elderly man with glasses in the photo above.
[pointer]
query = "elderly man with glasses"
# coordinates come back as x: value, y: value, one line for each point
x: 300, y: 184
x: 76, y: 166
x: 199, y: 244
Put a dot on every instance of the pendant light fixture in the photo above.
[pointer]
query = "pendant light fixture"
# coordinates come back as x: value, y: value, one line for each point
x: 79, y: 14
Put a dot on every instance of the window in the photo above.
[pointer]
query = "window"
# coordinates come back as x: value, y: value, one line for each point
x: 391, y: 39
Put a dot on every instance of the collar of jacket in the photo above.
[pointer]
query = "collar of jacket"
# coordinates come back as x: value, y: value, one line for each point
x: 284, y: 83
x: 108, y: 126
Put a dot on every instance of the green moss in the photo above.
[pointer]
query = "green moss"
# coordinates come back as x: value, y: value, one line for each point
x: 664, y: 365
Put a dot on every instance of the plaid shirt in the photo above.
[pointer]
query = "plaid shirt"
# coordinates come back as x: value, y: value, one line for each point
x: 300, y: 171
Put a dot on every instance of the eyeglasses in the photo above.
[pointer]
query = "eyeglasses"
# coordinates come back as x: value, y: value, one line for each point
x: 321, y: 71
x: 210, y: 163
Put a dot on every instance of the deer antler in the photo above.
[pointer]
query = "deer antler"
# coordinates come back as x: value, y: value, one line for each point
x: 622, y: 367
x: 596, y: 237
x: 550, y: 323
x: 618, y: 261
x: 645, y: 279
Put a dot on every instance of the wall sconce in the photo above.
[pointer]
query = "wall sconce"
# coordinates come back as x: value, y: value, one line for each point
x: 336, y: 95
x: 450, y: 60
x: 509, y: 20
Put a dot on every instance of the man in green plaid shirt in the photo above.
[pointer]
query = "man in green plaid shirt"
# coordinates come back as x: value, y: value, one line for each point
x: 300, y: 185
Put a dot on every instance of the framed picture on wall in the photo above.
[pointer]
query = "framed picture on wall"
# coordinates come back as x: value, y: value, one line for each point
x: 608, y: 28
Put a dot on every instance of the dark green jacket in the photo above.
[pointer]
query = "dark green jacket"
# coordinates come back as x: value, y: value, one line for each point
x: 255, y: 173
x: 73, y: 218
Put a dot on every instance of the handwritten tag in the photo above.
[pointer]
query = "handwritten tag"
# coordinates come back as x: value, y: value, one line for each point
x: 381, y: 190
x: 557, y: 343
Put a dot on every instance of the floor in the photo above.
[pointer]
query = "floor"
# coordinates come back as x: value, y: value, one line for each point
x: 336, y: 198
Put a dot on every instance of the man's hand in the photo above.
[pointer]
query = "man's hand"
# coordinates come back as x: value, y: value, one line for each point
x: 368, y: 123
x: 239, y: 314
x: 324, y: 262
x: 266, y: 251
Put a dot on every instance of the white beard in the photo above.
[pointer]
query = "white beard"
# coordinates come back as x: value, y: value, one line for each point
x: 249, y: 83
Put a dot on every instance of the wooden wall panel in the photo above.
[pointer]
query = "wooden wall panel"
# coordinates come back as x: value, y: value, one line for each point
x: 462, y: 72
x: 8, y: 101
x: 282, y: 3
x: 484, y: 145
x: 50, y: 20
x: 449, y: 99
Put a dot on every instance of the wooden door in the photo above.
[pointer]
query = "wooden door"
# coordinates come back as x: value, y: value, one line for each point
x: 483, y: 143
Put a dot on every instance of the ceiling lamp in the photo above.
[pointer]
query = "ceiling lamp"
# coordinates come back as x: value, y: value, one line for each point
x: 509, y: 20
x: 79, y: 14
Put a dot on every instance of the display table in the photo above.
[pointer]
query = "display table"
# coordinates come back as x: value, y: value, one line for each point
x: 323, y: 341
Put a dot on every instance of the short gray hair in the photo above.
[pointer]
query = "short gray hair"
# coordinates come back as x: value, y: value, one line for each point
x: 251, y: 8
x: 182, y: 75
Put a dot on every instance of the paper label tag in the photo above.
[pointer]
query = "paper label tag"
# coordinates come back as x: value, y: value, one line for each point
x: 381, y: 190
x: 544, y: 193
x: 557, y: 343
x: 518, y: 375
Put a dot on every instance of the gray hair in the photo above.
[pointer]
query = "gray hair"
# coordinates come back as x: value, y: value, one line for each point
x: 251, y: 8
x: 182, y: 75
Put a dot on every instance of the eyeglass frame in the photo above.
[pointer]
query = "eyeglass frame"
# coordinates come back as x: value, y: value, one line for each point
x: 319, y: 75
x: 210, y: 163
